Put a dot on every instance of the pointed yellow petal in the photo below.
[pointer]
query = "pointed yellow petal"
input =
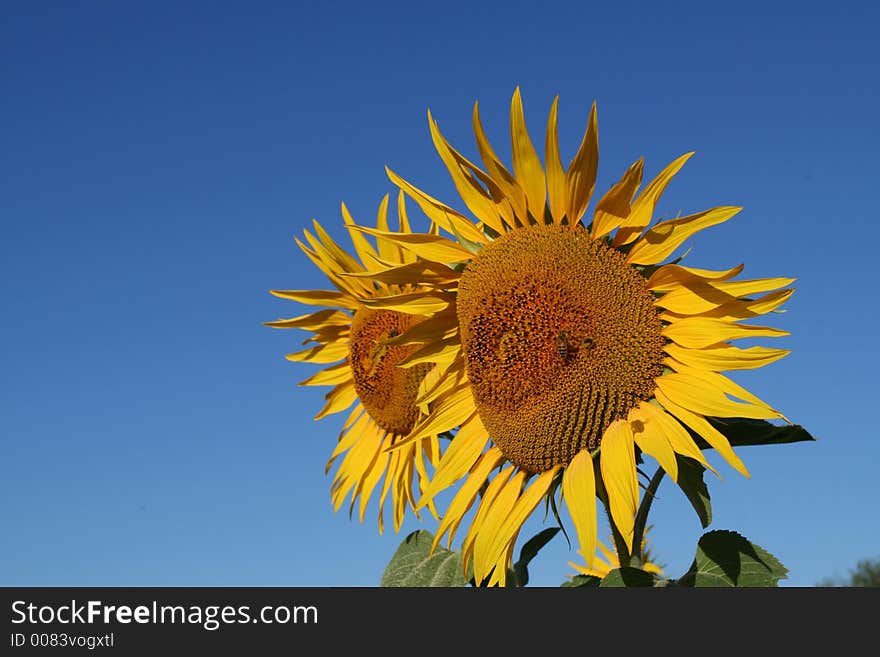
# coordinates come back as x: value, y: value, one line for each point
x: 511, y: 522
x: 450, y: 412
x: 324, y: 353
x: 698, y: 332
x: 700, y: 426
x: 615, y: 206
x: 439, y: 213
x: 526, y: 163
x: 338, y: 399
x: 413, y: 303
x: 319, y: 298
x: 357, y: 423
x: 431, y: 247
x: 330, y: 376
x: 420, y: 272
x: 670, y: 277
x: 388, y: 248
x: 362, y: 246
x: 324, y: 263
x: 739, y: 309
x: 502, y: 177
x: 475, y: 197
x: 581, y: 176
x: 495, y: 487
x: 700, y: 297
x: 717, y: 359
x: 579, y: 493
x: 643, y: 206
x: 368, y: 482
x: 498, y: 511
x: 441, y: 351
x: 314, y: 321
x: 690, y: 393
x: 465, y: 496
x: 333, y: 261
x: 459, y: 458
x: 652, y: 440
x: 440, y: 326
x: 555, y: 172
x: 660, y: 241
x: 677, y: 435
x: 617, y: 461
x: 720, y: 382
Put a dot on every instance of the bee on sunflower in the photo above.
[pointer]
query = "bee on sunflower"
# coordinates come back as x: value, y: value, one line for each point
x: 570, y: 345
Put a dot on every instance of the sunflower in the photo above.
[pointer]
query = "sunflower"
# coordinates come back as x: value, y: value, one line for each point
x: 571, y: 347
x: 387, y: 384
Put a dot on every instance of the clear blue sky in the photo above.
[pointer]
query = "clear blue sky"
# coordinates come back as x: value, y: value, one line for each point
x: 157, y: 159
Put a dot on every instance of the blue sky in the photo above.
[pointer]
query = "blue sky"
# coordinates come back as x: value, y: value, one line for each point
x: 158, y: 158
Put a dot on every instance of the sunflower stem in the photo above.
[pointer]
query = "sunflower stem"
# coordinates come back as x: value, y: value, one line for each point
x: 641, y: 520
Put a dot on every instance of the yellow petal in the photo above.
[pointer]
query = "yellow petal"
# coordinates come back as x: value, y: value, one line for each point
x: 700, y: 426
x: 325, y: 353
x: 461, y: 455
x: 368, y: 482
x: 717, y: 359
x: 698, y: 332
x: 720, y: 382
x: 489, y: 494
x: 338, y: 399
x: 455, y: 408
x: 441, y: 351
x: 388, y: 248
x: 502, y: 177
x: 670, y: 277
x: 511, y: 522
x: 579, y: 493
x: 526, y: 163
x: 466, y: 494
x: 643, y: 206
x: 362, y: 246
x: 660, y: 241
x: 358, y: 421
x: 472, y: 193
x: 701, y: 297
x: 319, y: 298
x: 689, y: 392
x: 499, y: 510
x: 677, y: 435
x: 413, y: 303
x: 555, y: 172
x: 617, y: 461
x: 431, y: 247
x: 735, y: 310
x: 333, y: 261
x: 314, y: 321
x: 615, y: 206
x: 581, y: 176
x: 439, y: 213
x: 330, y: 376
x: 403, y: 224
x: 420, y: 272
x: 652, y: 440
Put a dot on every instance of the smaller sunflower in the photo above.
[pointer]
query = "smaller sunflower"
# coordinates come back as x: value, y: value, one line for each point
x: 369, y: 367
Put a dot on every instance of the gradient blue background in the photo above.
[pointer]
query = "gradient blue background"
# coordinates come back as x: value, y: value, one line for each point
x: 156, y: 160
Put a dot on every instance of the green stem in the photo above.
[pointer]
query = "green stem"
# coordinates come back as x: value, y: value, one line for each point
x: 642, y: 514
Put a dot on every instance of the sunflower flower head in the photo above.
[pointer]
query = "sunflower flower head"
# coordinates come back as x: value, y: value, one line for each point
x: 571, y: 344
x: 371, y: 372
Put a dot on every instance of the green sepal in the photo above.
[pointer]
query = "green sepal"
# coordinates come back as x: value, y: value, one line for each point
x: 690, y: 480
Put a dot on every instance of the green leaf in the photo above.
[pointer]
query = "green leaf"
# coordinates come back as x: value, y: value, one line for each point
x: 690, y: 480
x: 742, y: 431
x: 581, y: 580
x: 528, y: 552
x: 725, y: 558
x: 627, y: 576
x: 413, y: 564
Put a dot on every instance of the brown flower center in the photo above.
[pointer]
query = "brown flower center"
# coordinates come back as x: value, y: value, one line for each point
x: 387, y: 392
x: 560, y: 337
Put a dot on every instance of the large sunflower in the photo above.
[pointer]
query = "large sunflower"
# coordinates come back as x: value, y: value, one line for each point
x: 570, y: 344
x: 387, y: 384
